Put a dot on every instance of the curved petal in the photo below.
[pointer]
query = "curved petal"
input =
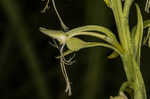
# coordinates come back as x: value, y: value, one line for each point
x: 106, y: 38
x: 93, y: 28
x: 75, y: 44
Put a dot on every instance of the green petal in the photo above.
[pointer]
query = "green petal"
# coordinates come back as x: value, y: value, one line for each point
x: 75, y: 44
x: 94, y: 28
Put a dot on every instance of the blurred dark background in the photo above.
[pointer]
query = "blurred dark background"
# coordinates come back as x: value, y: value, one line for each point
x: 28, y: 67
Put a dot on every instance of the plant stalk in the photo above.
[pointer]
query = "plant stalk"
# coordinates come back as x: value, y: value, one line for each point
x: 130, y: 64
x: 134, y: 76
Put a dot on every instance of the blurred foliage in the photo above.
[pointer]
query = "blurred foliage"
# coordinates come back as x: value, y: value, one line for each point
x: 28, y: 68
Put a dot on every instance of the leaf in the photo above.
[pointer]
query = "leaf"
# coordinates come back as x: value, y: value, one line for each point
x: 139, y: 29
x: 113, y: 55
x: 147, y: 6
x: 147, y: 38
x: 107, y: 2
x: 138, y: 34
x: 146, y: 24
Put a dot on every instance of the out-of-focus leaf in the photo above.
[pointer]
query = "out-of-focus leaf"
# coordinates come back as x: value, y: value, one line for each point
x: 147, y: 38
x: 108, y: 3
x: 147, y: 6
x: 146, y: 23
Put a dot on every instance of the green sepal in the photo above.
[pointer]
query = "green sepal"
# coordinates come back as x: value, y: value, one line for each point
x: 55, y: 34
x: 75, y: 44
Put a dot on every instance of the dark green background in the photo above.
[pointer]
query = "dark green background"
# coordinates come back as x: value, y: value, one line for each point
x: 28, y: 67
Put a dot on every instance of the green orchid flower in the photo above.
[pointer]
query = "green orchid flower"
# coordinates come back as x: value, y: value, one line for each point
x: 128, y: 46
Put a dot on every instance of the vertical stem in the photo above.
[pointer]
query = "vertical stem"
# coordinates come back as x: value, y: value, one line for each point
x: 134, y: 75
x: 122, y: 24
x: 131, y: 67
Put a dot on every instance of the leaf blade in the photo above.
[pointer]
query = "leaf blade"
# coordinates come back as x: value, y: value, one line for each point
x: 138, y: 34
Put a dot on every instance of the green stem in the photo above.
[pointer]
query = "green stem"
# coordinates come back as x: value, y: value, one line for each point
x: 131, y: 67
x: 134, y: 75
x: 122, y: 24
x: 127, y: 6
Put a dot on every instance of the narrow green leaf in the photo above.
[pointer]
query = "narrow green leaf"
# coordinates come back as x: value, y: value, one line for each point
x: 147, y: 6
x: 138, y: 34
x: 147, y: 38
x: 146, y: 24
x: 139, y: 29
